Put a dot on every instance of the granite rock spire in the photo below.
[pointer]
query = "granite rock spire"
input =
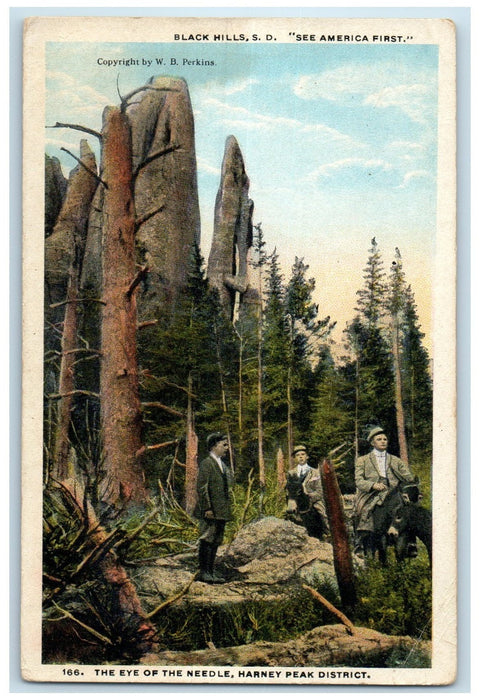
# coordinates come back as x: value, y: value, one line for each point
x: 232, y: 234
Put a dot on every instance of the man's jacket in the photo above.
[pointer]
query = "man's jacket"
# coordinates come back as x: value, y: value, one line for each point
x: 213, y: 488
x: 366, y: 475
x: 312, y: 486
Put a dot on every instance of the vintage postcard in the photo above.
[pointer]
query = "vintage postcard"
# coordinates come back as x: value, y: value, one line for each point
x: 239, y: 460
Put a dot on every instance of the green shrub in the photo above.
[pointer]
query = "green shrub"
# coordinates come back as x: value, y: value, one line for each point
x: 396, y: 599
x: 259, y: 618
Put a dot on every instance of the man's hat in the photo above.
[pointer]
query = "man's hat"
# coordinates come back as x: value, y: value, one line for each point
x: 214, y: 438
x: 298, y: 448
x: 377, y: 430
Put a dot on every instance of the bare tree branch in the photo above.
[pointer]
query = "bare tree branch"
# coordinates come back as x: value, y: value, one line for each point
x: 349, y: 625
x: 76, y: 301
x: 154, y: 156
x: 93, y: 632
x: 77, y: 350
x: 78, y: 127
x: 129, y: 537
x: 139, y: 277
x: 158, y: 446
x: 142, y: 219
x: 76, y: 392
x: 163, y: 380
x: 94, y: 174
x: 124, y: 100
x: 157, y: 404
x: 171, y: 600
x: 145, y: 324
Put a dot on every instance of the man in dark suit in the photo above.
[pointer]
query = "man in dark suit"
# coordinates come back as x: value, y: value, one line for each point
x: 213, y: 509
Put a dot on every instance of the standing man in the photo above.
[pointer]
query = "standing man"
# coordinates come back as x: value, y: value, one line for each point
x: 311, y: 480
x: 213, y: 509
x: 376, y: 475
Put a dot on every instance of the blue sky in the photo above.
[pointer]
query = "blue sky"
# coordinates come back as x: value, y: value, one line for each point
x: 339, y: 142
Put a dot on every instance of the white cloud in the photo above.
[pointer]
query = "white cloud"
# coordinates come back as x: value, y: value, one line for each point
x: 72, y: 101
x: 253, y: 119
x: 381, y: 85
x: 204, y: 166
x: 329, y: 169
x: 241, y: 86
x: 407, y: 146
x: 224, y: 89
x: 68, y: 85
x: 243, y: 118
x: 415, y: 175
x: 411, y: 99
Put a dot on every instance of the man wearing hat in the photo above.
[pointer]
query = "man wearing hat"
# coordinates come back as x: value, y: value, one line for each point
x: 310, y: 478
x: 376, y: 475
x: 212, y: 509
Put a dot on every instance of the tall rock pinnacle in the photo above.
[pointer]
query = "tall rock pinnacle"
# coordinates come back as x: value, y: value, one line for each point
x: 166, y: 195
x: 55, y: 189
x: 71, y: 225
x: 232, y: 234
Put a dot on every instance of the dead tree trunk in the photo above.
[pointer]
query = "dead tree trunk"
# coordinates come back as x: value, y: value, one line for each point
x: 66, y: 384
x: 123, y: 590
x: 261, y: 457
x: 120, y: 404
x: 342, y: 557
x: 357, y: 400
x: 191, y: 460
x: 402, y: 438
x: 71, y: 228
x: 289, y: 418
x: 281, y: 478
x: 224, y: 397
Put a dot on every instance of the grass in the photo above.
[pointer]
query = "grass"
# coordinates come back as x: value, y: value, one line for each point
x: 396, y: 599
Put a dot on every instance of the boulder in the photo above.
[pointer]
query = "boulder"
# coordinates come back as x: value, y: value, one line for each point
x: 268, y: 557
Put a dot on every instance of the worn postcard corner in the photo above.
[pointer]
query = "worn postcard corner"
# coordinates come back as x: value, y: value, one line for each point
x: 239, y: 396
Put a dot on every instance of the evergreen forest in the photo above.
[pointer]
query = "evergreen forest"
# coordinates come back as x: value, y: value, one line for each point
x: 143, y: 362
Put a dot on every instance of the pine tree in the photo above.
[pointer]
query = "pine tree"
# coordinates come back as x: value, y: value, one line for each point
x: 306, y: 334
x: 259, y: 243
x: 182, y: 378
x: 371, y: 298
x: 332, y: 414
x: 276, y: 353
x: 395, y: 305
x: 293, y: 337
x: 370, y: 366
x: 418, y: 396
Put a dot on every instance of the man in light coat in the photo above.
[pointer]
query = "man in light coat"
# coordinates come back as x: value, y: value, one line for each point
x: 376, y: 475
x: 213, y: 509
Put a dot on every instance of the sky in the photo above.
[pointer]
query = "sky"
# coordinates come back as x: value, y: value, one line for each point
x: 339, y: 143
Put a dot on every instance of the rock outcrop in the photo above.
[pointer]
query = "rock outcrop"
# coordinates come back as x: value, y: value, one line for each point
x: 71, y: 224
x: 166, y: 195
x: 68, y: 238
x: 232, y: 234
x: 55, y: 189
x: 265, y: 556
